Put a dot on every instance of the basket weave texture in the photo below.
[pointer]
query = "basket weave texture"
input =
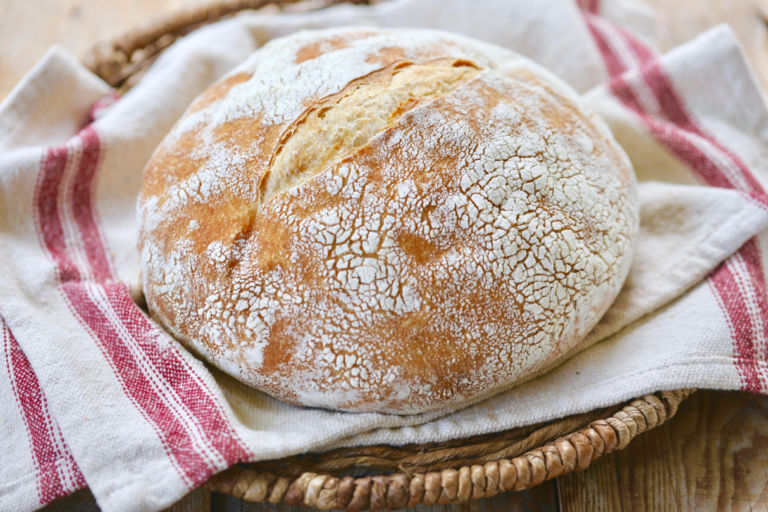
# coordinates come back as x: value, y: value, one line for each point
x: 435, y: 473
x: 452, y: 472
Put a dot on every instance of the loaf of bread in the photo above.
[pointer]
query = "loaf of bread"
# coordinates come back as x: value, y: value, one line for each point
x: 385, y: 220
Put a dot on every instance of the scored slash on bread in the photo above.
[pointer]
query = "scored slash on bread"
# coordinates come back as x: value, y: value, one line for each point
x: 385, y: 220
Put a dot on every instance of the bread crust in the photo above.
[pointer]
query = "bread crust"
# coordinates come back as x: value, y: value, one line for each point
x: 385, y: 220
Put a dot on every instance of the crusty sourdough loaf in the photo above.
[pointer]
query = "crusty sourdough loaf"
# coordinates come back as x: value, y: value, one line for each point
x: 385, y: 220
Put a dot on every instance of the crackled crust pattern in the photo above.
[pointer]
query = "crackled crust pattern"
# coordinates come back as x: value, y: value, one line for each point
x: 392, y: 221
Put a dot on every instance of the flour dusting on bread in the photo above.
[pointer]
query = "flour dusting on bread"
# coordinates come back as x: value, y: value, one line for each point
x: 385, y: 220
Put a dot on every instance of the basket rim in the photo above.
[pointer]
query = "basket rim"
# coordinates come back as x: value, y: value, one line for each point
x: 565, y: 453
x: 482, y: 467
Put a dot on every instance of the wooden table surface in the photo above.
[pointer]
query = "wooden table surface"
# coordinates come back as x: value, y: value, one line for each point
x: 712, y: 456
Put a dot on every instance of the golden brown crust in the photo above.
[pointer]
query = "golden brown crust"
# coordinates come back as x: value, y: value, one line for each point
x: 391, y: 221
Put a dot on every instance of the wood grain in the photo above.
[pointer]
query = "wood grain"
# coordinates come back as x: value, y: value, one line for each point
x: 712, y: 456
x: 28, y: 29
x: 198, y: 500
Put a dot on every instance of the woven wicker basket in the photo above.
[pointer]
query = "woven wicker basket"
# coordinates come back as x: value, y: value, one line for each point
x: 396, y: 477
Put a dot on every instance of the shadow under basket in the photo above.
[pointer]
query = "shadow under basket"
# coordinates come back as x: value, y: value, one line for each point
x: 387, y: 477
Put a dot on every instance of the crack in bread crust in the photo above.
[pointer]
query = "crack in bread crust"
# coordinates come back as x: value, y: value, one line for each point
x: 340, y: 124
